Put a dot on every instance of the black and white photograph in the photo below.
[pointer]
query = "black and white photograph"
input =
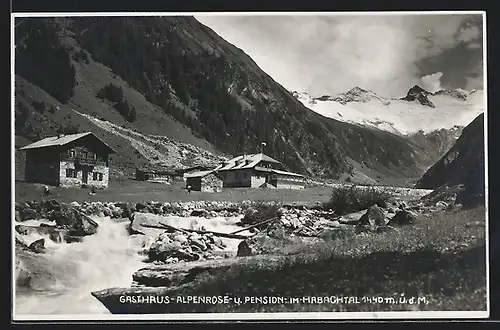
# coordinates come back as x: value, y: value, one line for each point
x: 249, y: 166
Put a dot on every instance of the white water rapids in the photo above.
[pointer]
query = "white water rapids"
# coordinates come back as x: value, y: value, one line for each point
x: 64, y: 277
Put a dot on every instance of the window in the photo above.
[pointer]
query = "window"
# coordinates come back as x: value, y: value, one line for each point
x: 94, y: 156
x: 71, y: 153
x: 97, y: 176
x: 70, y: 173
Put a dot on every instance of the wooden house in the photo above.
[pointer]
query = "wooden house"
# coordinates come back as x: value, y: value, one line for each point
x: 155, y: 174
x: 69, y: 160
x: 258, y: 170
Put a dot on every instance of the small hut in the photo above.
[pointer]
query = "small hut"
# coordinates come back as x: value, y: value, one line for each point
x: 204, y: 181
x: 154, y: 174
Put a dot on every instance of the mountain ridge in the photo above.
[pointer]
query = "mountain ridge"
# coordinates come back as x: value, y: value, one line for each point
x: 185, y: 82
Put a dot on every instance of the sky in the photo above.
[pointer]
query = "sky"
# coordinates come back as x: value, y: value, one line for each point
x: 327, y: 54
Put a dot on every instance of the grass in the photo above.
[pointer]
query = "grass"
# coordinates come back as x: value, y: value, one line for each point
x: 348, y: 199
x: 441, y: 259
x: 128, y: 190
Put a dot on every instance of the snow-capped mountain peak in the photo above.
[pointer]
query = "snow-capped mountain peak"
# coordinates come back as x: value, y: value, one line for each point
x: 419, y: 110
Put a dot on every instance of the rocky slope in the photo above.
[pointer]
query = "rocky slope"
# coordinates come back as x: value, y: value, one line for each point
x: 463, y: 164
x: 181, y: 80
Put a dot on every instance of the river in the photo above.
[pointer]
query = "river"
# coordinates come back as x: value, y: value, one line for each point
x: 65, y: 276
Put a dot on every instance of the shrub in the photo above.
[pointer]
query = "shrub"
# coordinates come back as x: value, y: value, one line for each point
x: 39, y: 106
x: 347, y: 199
x: 111, y: 92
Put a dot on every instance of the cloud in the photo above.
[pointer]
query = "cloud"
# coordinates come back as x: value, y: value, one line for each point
x: 468, y: 34
x: 432, y: 82
x: 474, y: 45
x: 331, y: 54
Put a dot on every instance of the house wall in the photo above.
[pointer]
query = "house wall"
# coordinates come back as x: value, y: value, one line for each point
x: 237, y: 178
x: 42, y: 166
x: 195, y: 183
x: 257, y: 180
x: 78, y: 181
x: 211, y: 183
x: 287, y: 182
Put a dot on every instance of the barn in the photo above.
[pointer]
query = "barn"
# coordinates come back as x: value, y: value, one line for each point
x: 205, y: 181
x: 154, y: 173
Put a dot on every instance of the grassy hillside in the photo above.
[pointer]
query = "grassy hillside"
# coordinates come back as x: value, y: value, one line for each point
x: 186, y: 83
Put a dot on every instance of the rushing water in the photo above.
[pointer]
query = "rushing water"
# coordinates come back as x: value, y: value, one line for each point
x: 64, y: 277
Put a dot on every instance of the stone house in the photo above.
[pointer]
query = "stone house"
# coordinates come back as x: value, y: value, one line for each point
x: 205, y: 181
x: 258, y: 170
x: 74, y: 160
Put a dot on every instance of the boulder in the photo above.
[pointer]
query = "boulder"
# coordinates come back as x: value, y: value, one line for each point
x: 22, y: 274
x: 441, y: 205
x: 141, y: 207
x: 269, y: 241
x: 38, y: 246
x: 249, y: 217
x: 57, y: 235
x: 162, y: 250
x: 373, y: 218
x: 27, y: 213
x: 140, y: 218
x: 382, y: 204
x: 402, y: 218
x: 52, y: 205
x: 77, y: 223
x: 199, y: 213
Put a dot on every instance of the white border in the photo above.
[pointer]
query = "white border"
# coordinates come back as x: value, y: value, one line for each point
x: 254, y: 316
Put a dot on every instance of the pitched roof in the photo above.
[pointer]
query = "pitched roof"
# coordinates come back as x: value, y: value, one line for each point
x: 246, y: 161
x: 199, y: 174
x: 60, y: 141
x: 287, y: 173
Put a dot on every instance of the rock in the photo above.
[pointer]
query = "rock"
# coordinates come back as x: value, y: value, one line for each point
x: 199, y: 243
x: 140, y: 218
x: 75, y: 221
x: 276, y: 230
x: 263, y: 244
x: 22, y: 275
x: 107, y: 212
x: 38, y: 246
x: 141, y: 207
x: 161, y: 251
x: 57, y: 235
x: 392, y: 210
x: 28, y: 213
x: 401, y: 218
x: 373, y: 218
x: 249, y: 216
x: 382, y: 204
x: 74, y: 204
x: 403, y: 205
x: 180, y: 238
x: 441, y: 205
x: 117, y: 213
x: 50, y: 205
x: 17, y: 216
x: 199, y: 213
